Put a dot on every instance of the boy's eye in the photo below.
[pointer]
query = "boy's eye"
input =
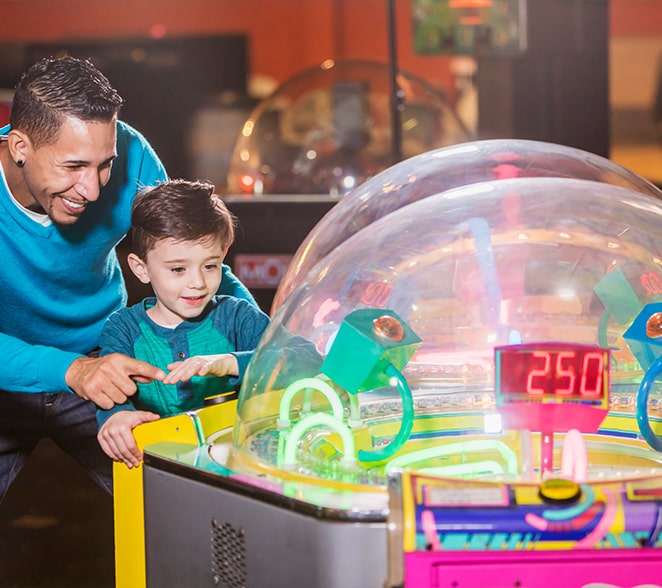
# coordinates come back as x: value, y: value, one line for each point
x: 211, y: 266
x: 176, y: 270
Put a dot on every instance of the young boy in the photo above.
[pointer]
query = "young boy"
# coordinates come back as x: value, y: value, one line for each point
x: 180, y: 232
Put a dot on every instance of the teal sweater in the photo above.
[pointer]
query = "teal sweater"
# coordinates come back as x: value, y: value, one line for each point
x: 228, y: 325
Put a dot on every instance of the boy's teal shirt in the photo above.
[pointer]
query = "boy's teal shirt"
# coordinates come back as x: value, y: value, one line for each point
x: 228, y: 325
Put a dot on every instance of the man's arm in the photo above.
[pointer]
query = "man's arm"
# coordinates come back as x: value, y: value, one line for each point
x: 33, y: 368
x: 39, y: 369
x: 231, y: 286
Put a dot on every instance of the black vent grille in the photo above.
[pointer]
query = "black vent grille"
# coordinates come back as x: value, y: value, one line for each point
x: 228, y: 555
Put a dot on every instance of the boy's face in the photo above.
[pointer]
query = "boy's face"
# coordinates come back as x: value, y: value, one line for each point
x: 184, y: 276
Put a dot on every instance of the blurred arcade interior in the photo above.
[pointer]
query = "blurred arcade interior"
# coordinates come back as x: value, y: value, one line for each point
x: 283, y: 153
x: 287, y: 153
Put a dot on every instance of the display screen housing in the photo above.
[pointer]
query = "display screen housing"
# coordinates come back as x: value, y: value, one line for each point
x: 552, y: 373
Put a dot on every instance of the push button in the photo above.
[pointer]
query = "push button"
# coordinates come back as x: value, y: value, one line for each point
x: 559, y: 491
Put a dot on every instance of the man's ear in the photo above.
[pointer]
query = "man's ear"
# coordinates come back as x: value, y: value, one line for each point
x: 138, y: 267
x: 19, y: 145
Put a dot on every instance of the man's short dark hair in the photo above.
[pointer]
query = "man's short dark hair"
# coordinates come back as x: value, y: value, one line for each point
x: 55, y: 88
x: 182, y: 210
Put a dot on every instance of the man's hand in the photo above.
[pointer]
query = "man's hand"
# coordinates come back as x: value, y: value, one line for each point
x: 116, y: 435
x: 224, y: 364
x: 110, y: 379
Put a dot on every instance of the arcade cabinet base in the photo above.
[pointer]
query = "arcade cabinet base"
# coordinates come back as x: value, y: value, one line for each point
x: 202, y: 529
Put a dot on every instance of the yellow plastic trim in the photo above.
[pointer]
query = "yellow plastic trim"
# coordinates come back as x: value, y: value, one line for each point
x: 128, y: 486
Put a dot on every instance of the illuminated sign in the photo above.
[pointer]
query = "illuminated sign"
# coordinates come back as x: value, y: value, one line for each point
x: 552, y: 372
x: 469, y: 27
x: 260, y: 271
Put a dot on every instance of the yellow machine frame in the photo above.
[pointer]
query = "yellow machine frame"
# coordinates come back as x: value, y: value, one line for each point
x: 129, y: 509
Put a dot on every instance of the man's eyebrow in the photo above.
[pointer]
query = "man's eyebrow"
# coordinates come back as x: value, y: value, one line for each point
x: 86, y: 162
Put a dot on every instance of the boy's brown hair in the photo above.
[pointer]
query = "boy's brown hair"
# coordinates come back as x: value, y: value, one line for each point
x: 182, y: 210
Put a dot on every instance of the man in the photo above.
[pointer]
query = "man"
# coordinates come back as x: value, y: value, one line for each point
x: 63, y: 214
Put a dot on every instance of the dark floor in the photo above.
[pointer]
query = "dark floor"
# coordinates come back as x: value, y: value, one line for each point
x: 56, y: 527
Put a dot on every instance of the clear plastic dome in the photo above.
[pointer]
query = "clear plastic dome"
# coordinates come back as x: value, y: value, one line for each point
x: 328, y: 129
x: 438, y: 170
x: 383, y: 356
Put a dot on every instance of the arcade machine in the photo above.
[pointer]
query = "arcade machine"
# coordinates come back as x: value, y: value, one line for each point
x: 461, y: 393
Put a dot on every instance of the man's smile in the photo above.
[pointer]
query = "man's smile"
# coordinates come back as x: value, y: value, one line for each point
x: 74, y: 205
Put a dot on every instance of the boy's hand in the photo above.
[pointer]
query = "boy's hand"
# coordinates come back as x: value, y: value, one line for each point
x: 224, y: 364
x: 116, y: 435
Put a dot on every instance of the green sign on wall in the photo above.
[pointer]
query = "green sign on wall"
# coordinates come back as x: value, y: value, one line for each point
x: 469, y: 27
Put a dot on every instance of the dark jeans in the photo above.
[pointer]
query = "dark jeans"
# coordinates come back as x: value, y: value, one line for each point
x: 67, y: 419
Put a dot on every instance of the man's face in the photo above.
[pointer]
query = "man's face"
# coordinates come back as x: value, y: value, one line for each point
x: 65, y: 176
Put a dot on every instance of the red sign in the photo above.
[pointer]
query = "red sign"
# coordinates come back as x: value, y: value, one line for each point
x: 260, y: 271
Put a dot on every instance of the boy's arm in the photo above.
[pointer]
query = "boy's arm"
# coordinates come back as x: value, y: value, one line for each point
x: 224, y: 364
x: 242, y: 323
x: 116, y: 424
x: 103, y: 415
x: 116, y: 435
x: 116, y: 337
x: 250, y: 325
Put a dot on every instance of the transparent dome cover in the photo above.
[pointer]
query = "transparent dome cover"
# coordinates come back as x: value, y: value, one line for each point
x: 448, y: 167
x: 384, y: 355
x: 329, y: 128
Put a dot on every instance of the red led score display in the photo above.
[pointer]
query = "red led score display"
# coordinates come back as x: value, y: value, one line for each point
x: 552, y: 373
